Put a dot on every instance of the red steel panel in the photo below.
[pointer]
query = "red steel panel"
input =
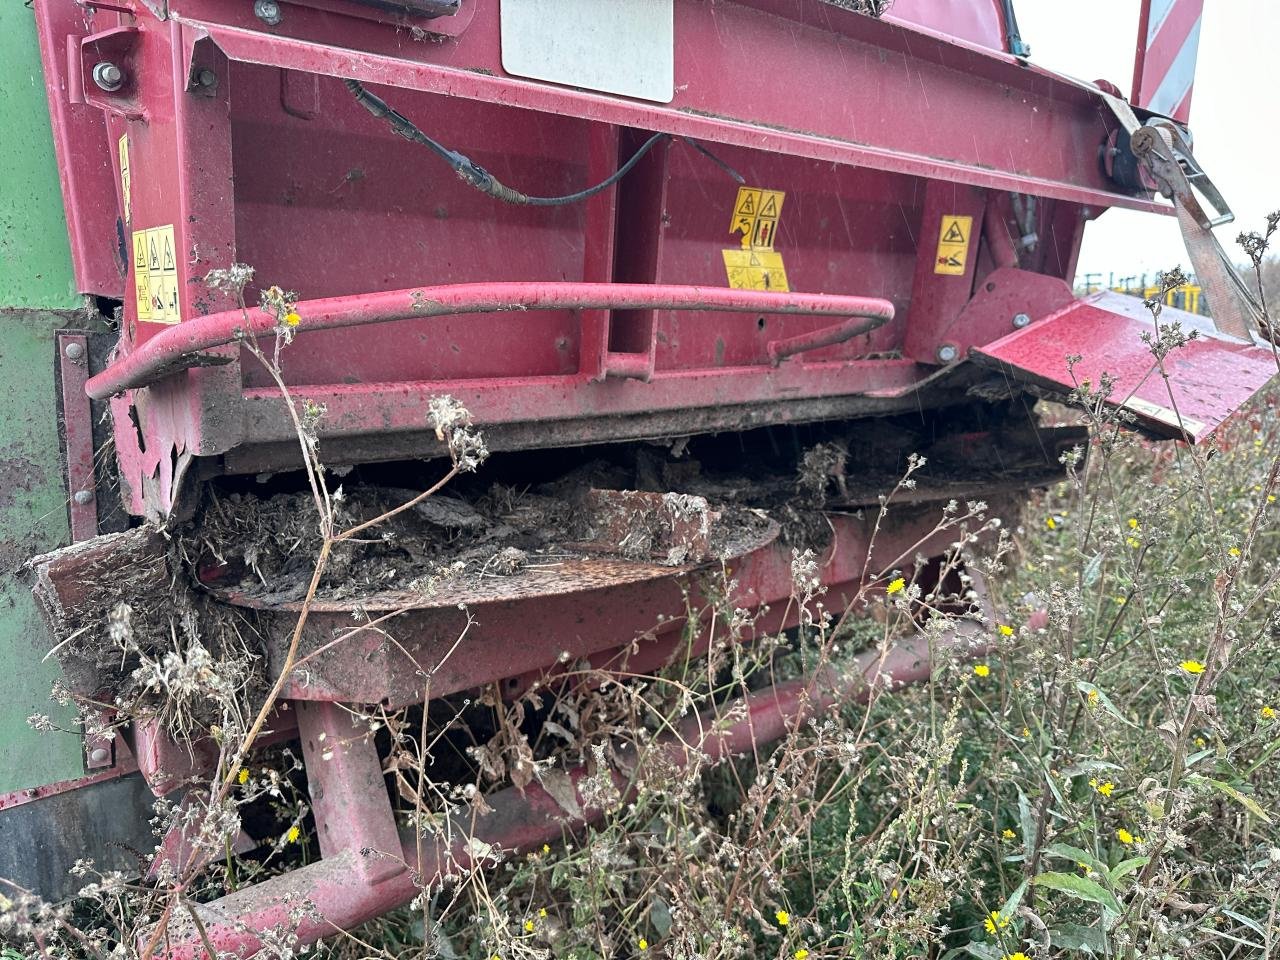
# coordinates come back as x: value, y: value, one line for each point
x: 1209, y: 378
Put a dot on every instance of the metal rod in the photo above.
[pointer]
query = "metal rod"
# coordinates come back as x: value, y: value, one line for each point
x: 174, y: 349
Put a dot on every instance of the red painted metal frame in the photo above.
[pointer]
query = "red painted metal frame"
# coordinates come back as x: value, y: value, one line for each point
x: 897, y: 71
x: 243, y: 141
x: 522, y: 820
x: 175, y: 348
x: 1209, y: 377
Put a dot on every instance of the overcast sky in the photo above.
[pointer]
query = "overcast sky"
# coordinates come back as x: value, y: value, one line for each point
x: 1235, y: 113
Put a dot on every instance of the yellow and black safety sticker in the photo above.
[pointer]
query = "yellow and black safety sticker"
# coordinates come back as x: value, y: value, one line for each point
x: 155, y: 275
x: 953, y: 245
x: 756, y: 265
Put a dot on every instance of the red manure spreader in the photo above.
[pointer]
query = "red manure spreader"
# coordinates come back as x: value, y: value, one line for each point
x: 697, y: 280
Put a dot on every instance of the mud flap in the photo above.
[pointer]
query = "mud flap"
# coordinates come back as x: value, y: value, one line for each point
x: 1209, y: 378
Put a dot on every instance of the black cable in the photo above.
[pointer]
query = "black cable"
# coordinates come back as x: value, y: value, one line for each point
x: 477, y: 176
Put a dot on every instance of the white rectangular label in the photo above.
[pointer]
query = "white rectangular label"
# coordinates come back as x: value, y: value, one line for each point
x: 614, y: 46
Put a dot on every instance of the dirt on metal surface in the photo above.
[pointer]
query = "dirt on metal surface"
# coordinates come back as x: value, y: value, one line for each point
x: 503, y: 544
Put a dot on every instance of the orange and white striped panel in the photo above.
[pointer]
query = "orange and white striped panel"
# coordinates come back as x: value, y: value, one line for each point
x: 1165, y: 68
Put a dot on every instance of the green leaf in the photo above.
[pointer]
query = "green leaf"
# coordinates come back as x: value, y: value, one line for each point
x: 1027, y: 823
x: 1198, y: 756
x: 1010, y: 906
x: 983, y: 951
x: 1075, y: 854
x: 1244, y: 800
x: 1073, y: 936
x: 1079, y: 887
x: 1090, y: 766
x: 1092, y: 568
x: 1126, y: 867
x: 1253, y: 925
x: 1087, y: 688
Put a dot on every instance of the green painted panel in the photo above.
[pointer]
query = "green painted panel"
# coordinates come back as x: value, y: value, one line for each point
x: 35, y: 256
x: 33, y: 519
x: 35, y: 280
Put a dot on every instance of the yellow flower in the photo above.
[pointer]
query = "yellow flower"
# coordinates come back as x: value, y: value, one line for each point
x: 1234, y: 551
x: 1192, y: 666
x: 1268, y: 713
x: 801, y: 954
x: 1271, y: 498
x: 1016, y: 956
x: 1124, y: 836
x: 291, y: 319
x: 1133, y: 523
x: 545, y: 848
x: 243, y: 775
x: 995, y: 922
x: 1120, y: 600
x: 1103, y: 788
x: 292, y: 835
x: 1026, y: 731
x: 528, y: 926
x: 893, y: 894
x: 1093, y: 696
x: 1051, y: 523
x: 643, y: 944
x: 542, y: 912
x: 782, y: 917
x: 895, y: 586
x: 1083, y: 866
x: 1006, y: 630
x: 1133, y: 542
x: 982, y: 670
x: 1007, y: 833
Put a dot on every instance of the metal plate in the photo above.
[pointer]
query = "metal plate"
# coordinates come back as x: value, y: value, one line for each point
x: 1210, y: 377
x: 619, y: 46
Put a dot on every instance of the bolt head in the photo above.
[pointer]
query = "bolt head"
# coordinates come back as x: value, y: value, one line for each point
x: 207, y: 78
x: 108, y: 76
x: 99, y: 755
x: 268, y: 11
x: 74, y: 351
x: 948, y: 352
x: 83, y: 497
x: 1020, y: 320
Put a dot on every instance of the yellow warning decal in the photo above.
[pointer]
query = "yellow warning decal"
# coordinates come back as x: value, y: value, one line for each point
x: 755, y: 270
x: 756, y: 265
x: 126, y: 183
x: 755, y: 216
x: 155, y: 275
x: 953, y: 245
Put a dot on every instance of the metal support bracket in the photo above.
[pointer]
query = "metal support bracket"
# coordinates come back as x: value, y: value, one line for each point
x: 1161, y: 147
x: 77, y: 435
x: 352, y: 809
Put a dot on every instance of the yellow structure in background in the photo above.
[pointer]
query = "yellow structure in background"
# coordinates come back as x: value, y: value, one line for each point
x: 1188, y: 297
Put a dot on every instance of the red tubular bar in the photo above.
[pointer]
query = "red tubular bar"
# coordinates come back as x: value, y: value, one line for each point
x: 169, y: 351
x: 524, y: 821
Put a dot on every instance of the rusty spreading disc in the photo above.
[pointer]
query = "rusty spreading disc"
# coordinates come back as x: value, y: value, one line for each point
x: 619, y: 581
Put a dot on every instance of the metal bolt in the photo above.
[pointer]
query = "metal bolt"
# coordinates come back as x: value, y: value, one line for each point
x: 74, y: 350
x: 99, y: 755
x: 108, y: 76
x: 1020, y: 320
x: 207, y: 78
x: 948, y: 352
x: 83, y: 497
x: 268, y: 11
